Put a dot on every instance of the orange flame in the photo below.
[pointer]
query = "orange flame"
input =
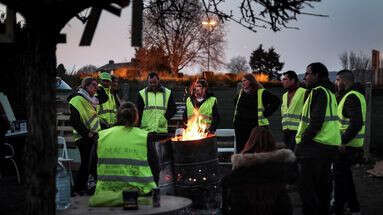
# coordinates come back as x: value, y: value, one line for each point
x: 261, y: 77
x: 196, y: 129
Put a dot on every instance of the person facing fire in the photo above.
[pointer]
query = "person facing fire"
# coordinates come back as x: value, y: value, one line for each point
x: 203, y: 105
x: 253, y: 105
x: 291, y: 108
x: 107, y: 111
x: 352, y: 118
x: 155, y: 105
x: 123, y: 164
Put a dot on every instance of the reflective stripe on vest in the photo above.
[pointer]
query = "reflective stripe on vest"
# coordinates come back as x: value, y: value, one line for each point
x: 123, y: 161
x: 344, y: 122
x: 329, y: 133
x: 153, y: 116
x: 291, y: 114
x: 205, y: 110
x: 108, y: 110
x: 87, y: 113
x: 262, y: 121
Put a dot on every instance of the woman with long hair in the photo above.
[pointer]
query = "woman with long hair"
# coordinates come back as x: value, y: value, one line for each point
x: 252, y: 107
x: 204, y: 103
x: 261, y: 172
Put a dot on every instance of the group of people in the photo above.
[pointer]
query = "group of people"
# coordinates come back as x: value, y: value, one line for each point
x: 323, y: 126
x: 322, y: 123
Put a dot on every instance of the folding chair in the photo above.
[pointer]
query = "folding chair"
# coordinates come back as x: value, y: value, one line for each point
x: 11, y: 157
x: 64, y: 158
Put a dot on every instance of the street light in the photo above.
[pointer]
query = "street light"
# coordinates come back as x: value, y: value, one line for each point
x: 209, y: 23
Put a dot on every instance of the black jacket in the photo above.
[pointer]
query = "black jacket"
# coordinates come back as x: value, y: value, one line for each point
x: 170, y: 110
x: 215, y: 115
x: 247, y: 109
x: 352, y: 110
x: 308, y: 147
x: 75, y: 118
x: 257, y: 185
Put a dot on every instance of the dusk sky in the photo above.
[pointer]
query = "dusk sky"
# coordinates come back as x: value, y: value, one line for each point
x: 352, y: 25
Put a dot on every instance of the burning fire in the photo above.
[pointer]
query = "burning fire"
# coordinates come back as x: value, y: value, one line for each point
x: 261, y: 77
x: 196, y: 129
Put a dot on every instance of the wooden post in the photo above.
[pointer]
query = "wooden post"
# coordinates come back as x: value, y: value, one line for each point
x: 367, y: 139
x: 375, y: 62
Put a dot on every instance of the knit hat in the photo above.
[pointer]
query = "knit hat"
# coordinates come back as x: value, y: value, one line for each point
x: 105, y: 76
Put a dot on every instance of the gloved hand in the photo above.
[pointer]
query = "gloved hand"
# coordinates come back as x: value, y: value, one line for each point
x: 179, y: 131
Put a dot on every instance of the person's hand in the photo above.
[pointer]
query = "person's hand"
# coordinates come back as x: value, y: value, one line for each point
x: 179, y: 131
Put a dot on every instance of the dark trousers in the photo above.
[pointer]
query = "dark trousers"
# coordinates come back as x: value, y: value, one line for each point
x: 315, y: 185
x: 289, y: 139
x: 344, y: 184
x: 85, y: 148
x: 241, y: 136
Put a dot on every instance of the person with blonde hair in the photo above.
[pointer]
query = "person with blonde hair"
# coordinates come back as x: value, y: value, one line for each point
x: 261, y: 172
x: 252, y: 107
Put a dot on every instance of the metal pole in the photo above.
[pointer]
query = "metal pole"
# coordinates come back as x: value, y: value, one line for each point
x: 208, y: 51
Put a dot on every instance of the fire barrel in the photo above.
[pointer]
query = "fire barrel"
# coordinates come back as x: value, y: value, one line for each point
x: 196, y: 172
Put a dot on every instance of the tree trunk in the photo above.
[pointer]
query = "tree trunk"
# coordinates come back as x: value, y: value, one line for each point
x: 41, y: 149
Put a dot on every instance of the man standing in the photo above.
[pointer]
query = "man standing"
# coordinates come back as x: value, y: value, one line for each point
x: 155, y: 105
x: 318, y: 140
x: 107, y: 111
x: 352, y: 115
x: 291, y: 109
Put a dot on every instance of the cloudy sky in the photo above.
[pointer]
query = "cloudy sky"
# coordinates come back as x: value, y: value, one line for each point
x: 352, y: 25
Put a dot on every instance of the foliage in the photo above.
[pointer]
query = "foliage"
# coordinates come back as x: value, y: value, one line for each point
x: 152, y: 59
x: 266, y: 62
x: 176, y: 28
x: 238, y: 64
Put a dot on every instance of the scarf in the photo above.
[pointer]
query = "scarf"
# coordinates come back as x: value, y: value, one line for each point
x: 93, y: 100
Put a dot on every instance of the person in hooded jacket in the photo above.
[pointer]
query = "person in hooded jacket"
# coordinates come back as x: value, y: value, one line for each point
x: 202, y: 103
x: 261, y: 172
x: 86, y: 124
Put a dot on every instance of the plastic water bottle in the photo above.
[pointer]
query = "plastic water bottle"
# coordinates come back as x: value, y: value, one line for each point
x: 62, y: 188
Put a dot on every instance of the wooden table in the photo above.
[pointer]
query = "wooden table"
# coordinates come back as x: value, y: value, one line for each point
x: 169, y: 205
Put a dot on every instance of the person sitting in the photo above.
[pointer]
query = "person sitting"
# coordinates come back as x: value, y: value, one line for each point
x: 122, y: 160
x: 257, y: 184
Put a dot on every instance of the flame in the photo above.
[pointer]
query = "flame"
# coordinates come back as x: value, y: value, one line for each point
x: 196, y: 129
x: 261, y: 77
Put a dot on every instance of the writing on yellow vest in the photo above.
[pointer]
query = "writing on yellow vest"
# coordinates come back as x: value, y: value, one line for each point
x: 122, y: 163
x: 344, y: 122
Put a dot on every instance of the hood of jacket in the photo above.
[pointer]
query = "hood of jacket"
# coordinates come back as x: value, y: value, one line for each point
x: 254, y: 159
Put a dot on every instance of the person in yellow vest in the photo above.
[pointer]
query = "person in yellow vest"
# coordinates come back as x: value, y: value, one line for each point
x: 292, y: 105
x: 352, y: 118
x: 107, y: 111
x: 86, y: 124
x: 252, y: 107
x: 122, y: 160
x: 155, y: 105
x: 318, y: 140
x: 206, y: 104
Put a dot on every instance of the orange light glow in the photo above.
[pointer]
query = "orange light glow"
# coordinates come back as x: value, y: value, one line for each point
x: 196, y: 129
x: 261, y: 77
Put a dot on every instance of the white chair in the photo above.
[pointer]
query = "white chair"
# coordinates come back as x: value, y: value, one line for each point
x: 11, y: 157
x: 64, y: 158
x: 226, y: 133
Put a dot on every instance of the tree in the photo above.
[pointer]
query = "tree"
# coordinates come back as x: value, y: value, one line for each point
x: 358, y: 63
x: 266, y: 62
x: 180, y: 34
x: 87, y: 69
x: 153, y: 59
x: 238, y: 64
x: 44, y: 22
